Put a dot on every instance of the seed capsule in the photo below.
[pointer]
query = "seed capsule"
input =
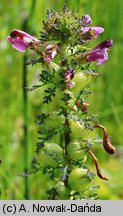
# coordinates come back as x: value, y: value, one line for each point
x: 79, y: 179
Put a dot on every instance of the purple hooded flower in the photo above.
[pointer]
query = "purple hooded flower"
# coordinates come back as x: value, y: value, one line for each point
x: 69, y: 74
x: 86, y: 20
x: 20, y: 40
x: 100, y: 52
x: 92, y: 31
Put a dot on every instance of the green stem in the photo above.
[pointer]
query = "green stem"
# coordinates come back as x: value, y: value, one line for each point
x: 66, y: 135
x: 26, y: 144
x: 67, y: 141
x: 25, y: 27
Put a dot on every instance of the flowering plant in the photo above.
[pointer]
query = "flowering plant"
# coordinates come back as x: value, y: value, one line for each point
x: 66, y: 131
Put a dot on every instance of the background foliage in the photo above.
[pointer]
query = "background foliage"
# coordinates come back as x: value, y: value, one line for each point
x: 106, y: 99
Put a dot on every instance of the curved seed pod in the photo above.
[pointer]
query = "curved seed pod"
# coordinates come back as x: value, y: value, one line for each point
x: 97, y: 166
x: 106, y: 141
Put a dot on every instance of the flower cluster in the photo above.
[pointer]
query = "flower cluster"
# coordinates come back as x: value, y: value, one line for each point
x: 92, y: 31
x: 21, y: 41
x: 65, y: 55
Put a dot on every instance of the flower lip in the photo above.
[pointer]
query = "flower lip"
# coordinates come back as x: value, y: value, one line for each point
x: 99, y: 56
x: 95, y: 31
x: 18, y: 44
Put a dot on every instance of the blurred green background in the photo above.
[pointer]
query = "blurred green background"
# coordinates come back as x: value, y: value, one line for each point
x: 18, y: 132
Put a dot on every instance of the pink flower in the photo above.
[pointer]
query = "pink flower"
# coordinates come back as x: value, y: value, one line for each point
x: 92, y: 31
x: 89, y: 33
x: 21, y: 40
x: 50, y: 52
x: 86, y: 19
x: 100, y: 52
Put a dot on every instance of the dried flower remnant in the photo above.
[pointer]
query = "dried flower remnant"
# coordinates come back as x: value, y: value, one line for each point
x: 99, y: 173
x: 106, y: 141
x: 83, y: 106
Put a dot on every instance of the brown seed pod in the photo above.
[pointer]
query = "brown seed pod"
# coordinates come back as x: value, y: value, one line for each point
x: 109, y: 148
x: 99, y: 173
